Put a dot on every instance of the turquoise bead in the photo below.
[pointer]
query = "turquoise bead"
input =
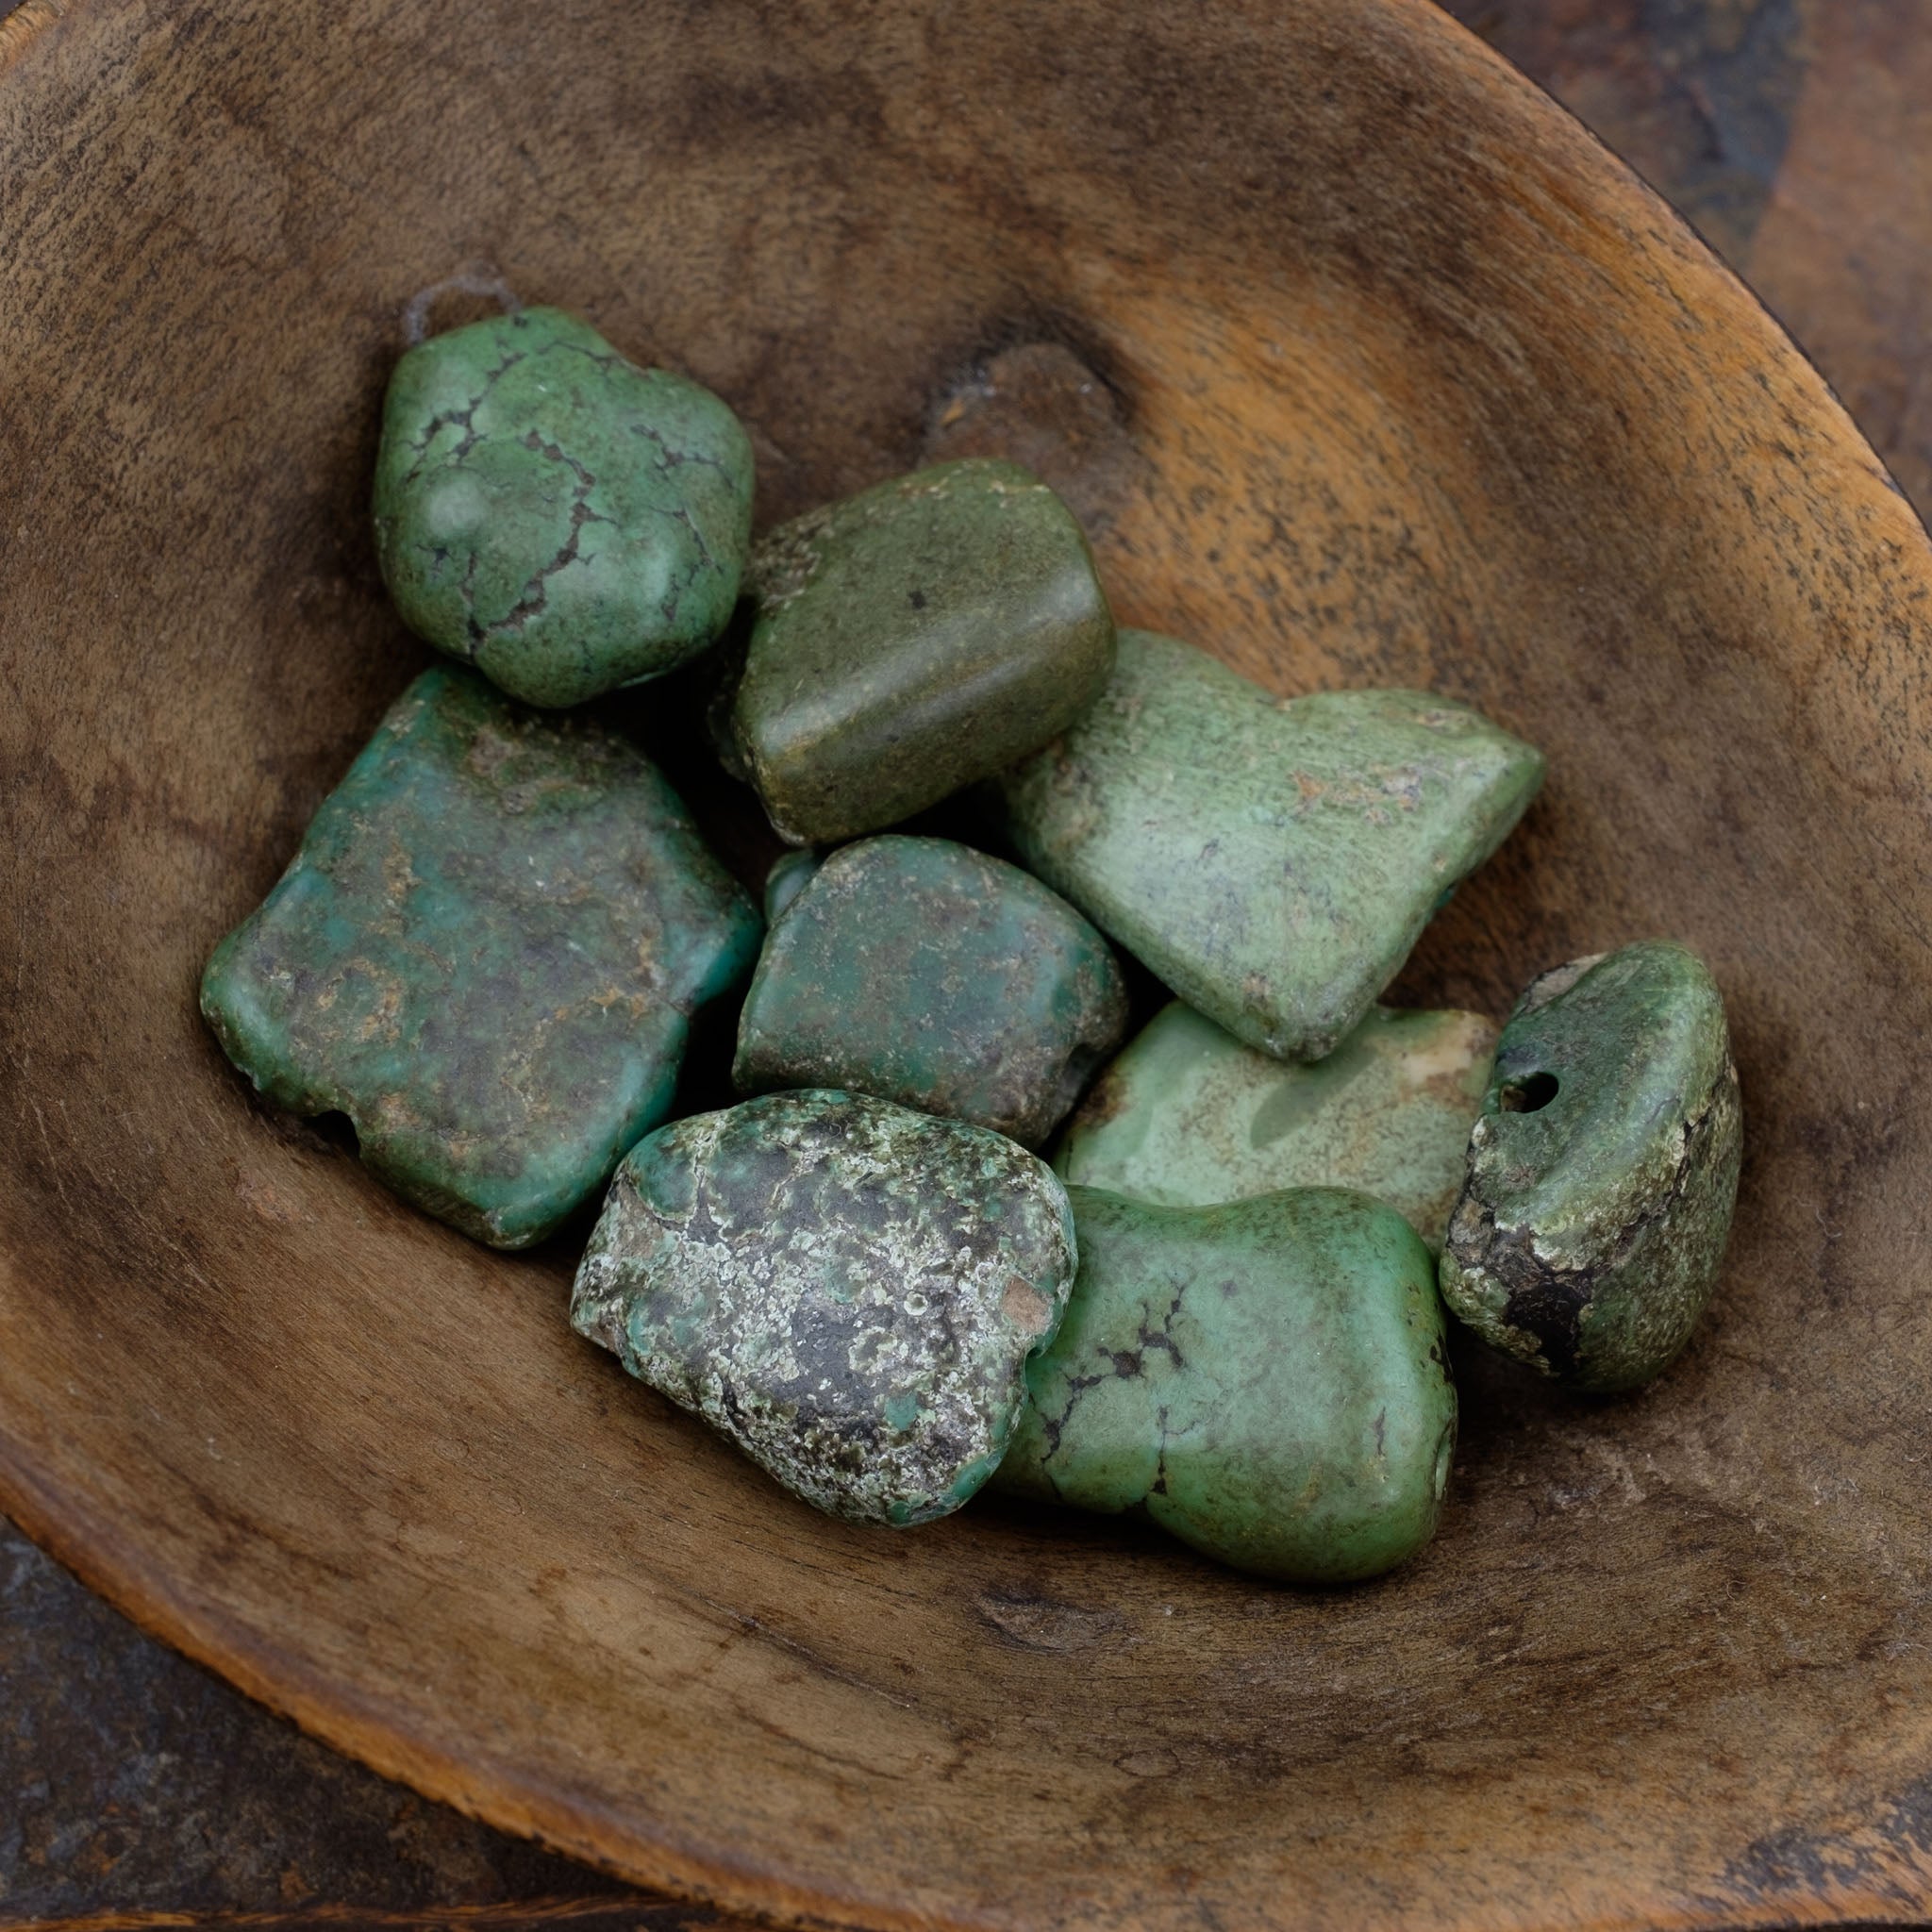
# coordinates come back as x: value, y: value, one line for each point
x: 1273, y: 860
x: 1603, y: 1170
x: 485, y: 953
x: 553, y: 514
x: 1265, y: 1379
x: 923, y: 971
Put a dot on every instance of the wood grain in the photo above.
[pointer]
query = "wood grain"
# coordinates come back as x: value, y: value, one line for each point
x: 632, y: 1914
x: 1410, y: 381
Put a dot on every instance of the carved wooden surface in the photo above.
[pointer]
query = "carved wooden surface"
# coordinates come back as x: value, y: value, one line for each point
x: 1367, y: 366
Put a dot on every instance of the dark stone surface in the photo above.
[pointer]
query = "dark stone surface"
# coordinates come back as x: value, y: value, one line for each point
x: 923, y: 971
x: 132, y: 1779
x: 757, y: 1266
x: 1698, y: 95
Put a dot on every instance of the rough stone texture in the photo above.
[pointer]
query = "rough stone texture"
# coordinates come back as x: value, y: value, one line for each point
x: 845, y: 1289
x: 1272, y: 859
x: 1267, y: 1379
x: 910, y: 640
x: 555, y: 515
x: 920, y: 971
x: 1602, y: 1171
x: 485, y: 953
x: 1188, y: 1116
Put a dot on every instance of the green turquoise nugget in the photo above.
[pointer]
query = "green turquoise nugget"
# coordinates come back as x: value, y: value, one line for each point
x: 924, y: 972
x: 1273, y: 860
x: 485, y: 953
x: 1188, y: 1115
x: 910, y: 640
x: 1602, y: 1171
x: 1266, y: 1379
x: 555, y: 515
x: 788, y: 875
x: 846, y: 1290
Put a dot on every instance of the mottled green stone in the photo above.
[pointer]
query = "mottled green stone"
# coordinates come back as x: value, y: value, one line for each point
x: 485, y: 953
x: 847, y: 1289
x: 924, y: 972
x: 1602, y: 1171
x: 1267, y: 1379
x: 555, y: 515
x: 1272, y: 859
x: 910, y: 640
x: 1188, y: 1115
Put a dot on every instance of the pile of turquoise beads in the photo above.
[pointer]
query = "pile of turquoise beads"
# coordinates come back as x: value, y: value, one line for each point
x: 958, y: 1229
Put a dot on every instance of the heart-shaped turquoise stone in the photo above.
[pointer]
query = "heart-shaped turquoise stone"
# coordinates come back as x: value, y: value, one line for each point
x: 1272, y: 859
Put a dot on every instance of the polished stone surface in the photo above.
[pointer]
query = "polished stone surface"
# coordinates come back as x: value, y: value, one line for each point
x: 1266, y: 1379
x: 1187, y: 1115
x: 910, y: 640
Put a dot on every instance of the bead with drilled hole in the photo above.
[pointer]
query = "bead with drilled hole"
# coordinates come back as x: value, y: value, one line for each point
x: 1603, y: 1170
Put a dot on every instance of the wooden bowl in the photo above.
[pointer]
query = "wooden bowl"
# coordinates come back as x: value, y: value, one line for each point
x: 1366, y: 363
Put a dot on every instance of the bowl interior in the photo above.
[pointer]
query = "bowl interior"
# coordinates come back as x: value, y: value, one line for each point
x: 1365, y: 364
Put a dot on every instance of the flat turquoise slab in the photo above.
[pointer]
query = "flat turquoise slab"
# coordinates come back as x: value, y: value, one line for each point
x: 845, y: 1289
x: 485, y: 953
x: 1266, y: 1379
x: 1273, y: 860
x: 924, y: 972
x: 553, y: 514
x: 1187, y: 1115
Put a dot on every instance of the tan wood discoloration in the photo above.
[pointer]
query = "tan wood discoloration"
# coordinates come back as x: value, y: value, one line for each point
x: 1419, y: 384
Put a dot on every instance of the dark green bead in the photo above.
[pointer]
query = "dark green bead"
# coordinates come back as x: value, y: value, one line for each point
x: 1272, y: 859
x: 555, y: 515
x: 1188, y: 1115
x: 910, y: 640
x: 1602, y: 1171
x: 485, y: 953
x: 847, y: 1289
x: 926, y: 973
x: 1266, y: 1379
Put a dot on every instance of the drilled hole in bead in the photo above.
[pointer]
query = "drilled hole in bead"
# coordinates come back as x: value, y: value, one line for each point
x: 337, y: 1129
x: 1530, y: 1094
